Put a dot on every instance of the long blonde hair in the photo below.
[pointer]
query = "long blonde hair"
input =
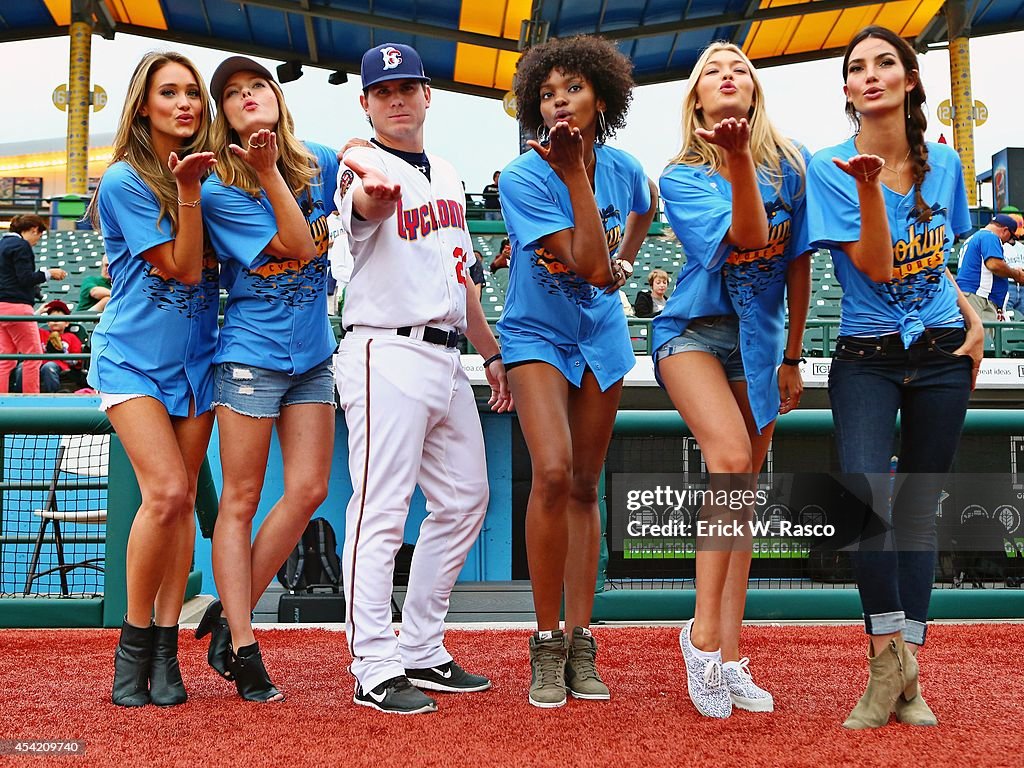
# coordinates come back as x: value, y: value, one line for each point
x: 134, y: 145
x: 767, y: 145
x: 297, y: 164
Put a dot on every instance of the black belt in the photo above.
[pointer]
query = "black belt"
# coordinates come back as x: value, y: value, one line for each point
x: 434, y: 336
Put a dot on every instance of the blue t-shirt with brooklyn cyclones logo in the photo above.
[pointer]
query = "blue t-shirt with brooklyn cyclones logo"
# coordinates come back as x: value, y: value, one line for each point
x: 276, y: 312
x: 720, y: 279
x: 919, y: 295
x: 552, y: 314
x: 157, y: 336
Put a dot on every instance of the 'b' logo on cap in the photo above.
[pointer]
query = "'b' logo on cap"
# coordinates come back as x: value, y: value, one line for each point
x: 392, y: 57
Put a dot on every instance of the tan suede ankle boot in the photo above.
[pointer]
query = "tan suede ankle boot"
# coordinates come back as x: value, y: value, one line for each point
x: 885, y: 683
x: 911, y: 708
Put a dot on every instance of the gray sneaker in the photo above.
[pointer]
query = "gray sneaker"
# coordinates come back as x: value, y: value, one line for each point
x: 704, y: 679
x: 547, y: 665
x: 744, y: 692
x: 581, y: 676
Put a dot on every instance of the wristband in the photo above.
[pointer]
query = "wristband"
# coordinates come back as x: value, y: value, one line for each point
x: 492, y: 358
x: 193, y: 204
x: 793, y: 360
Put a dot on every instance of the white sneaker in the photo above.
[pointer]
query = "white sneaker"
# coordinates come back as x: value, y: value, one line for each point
x: 743, y: 691
x: 704, y: 680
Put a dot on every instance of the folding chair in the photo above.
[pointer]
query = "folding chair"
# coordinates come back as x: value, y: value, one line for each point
x: 81, y: 456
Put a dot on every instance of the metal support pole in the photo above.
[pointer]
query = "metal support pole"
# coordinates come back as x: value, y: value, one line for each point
x: 962, y: 99
x: 77, y: 179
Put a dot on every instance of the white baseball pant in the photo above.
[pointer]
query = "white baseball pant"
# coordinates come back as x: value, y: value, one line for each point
x: 412, y: 419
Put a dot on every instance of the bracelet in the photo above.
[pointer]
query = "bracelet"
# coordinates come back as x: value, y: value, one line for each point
x: 492, y: 358
x: 193, y: 204
x: 793, y: 360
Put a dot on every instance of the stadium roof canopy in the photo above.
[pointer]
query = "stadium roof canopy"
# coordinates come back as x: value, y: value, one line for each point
x: 472, y: 45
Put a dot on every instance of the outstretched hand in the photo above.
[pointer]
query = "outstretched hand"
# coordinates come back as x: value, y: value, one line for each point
x: 863, y: 168
x: 191, y: 169
x: 564, y: 151
x: 260, y: 152
x: 731, y: 135
x: 375, y: 184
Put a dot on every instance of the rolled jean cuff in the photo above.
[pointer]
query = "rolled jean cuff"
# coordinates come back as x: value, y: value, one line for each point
x: 885, y: 623
x: 915, y: 632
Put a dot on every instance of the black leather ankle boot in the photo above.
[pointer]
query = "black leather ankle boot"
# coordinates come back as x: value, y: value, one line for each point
x: 131, y: 666
x: 165, y: 685
x: 215, y: 625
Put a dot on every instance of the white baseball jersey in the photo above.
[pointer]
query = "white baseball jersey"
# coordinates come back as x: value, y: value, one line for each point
x: 419, y: 256
x: 411, y: 416
x: 339, y: 254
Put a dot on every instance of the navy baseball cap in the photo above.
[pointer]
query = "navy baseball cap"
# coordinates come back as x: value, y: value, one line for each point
x: 391, y: 61
x: 1007, y: 221
x: 230, y: 66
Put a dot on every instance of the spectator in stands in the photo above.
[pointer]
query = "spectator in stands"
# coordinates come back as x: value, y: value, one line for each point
x: 19, y: 288
x: 983, y: 275
x: 56, y: 339
x: 902, y: 348
x: 476, y: 272
x: 1013, y: 255
x: 627, y: 308
x: 492, y: 199
x: 152, y: 353
x: 266, y: 210
x: 734, y: 195
x: 577, y: 211
x: 95, y: 291
x: 651, y: 303
x: 501, y: 260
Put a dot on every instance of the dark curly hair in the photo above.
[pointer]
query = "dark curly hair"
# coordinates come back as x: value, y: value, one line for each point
x: 607, y: 69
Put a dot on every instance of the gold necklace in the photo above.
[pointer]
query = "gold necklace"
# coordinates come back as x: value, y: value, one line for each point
x: 898, y: 170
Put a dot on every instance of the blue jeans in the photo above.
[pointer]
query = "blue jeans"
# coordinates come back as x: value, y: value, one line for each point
x: 1015, y: 300
x: 870, y: 380
x: 49, y: 378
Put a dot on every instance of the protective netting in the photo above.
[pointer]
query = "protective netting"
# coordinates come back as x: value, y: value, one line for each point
x: 53, y: 502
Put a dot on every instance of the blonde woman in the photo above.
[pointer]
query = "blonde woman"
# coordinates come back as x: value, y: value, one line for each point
x: 652, y: 303
x: 266, y: 210
x: 735, y: 197
x: 152, y: 353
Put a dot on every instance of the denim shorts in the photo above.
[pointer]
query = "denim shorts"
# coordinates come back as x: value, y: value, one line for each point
x: 262, y: 393
x: 718, y: 336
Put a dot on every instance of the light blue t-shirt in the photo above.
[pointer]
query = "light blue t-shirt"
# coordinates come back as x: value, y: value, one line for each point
x: 919, y: 296
x: 551, y: 314
x: 720, y: 279
x: 276, y: 313
x: 973, y: 276
x: 157, y: 336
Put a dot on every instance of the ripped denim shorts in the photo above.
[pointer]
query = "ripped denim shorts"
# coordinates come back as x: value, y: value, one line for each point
x: 262, y: 393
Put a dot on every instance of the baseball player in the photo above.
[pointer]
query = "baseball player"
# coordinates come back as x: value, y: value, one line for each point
x: 410, y: 410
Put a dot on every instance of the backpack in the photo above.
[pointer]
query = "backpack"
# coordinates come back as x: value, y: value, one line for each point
x: 314, y: 561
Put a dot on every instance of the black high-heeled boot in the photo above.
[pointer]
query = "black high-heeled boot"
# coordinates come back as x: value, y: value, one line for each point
x: 215, y: 625
x: 131, y: 666
x: 166, y: 687
x: 251, y: 678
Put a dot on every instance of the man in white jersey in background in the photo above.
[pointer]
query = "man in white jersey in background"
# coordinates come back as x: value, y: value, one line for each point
x: 411, y: 414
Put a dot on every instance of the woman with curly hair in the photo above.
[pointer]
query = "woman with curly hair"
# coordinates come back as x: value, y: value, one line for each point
x: 266, y: 210
x: 152, y: 353
x: 735, y: 197
x: 889, y: 205
x: 577, y: 212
